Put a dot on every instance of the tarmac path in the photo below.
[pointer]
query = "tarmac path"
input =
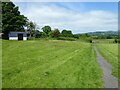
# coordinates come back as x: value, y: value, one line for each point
x: 109, y: 80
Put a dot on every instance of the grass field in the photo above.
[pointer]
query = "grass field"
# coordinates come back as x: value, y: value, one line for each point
x: 104, y: 41
x: 50, y: 64
x: 0, y: 64
x: 110, y: 52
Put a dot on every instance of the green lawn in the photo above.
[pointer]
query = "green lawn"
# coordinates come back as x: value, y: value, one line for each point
x: 0, y: 64
x: 50, y: 64
x: 104, y: 41
x: 110, y: 52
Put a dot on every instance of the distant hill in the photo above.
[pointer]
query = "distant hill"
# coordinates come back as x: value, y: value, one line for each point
x: 103, y: 33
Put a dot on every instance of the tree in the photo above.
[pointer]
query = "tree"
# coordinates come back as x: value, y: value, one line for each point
x: 31, y: 28
x: 64, y: 32
x: 56, y: 33
x: 11, y: 19
x: 46, y: 29
x: 84, y: 35
x: 50, y: 34
x: 43, y: 34
x: 37, y: 34
x: 67, y: 33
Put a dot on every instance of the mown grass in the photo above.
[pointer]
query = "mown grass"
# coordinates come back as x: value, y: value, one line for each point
x: 103, y: 41
x: 50, y: 64
x: 110, y: 52
x: 0, y: 64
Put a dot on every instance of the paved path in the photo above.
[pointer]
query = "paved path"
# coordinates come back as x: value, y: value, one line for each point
x: 109, y: 80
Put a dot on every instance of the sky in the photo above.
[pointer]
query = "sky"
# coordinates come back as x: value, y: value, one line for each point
x: 79, y: 17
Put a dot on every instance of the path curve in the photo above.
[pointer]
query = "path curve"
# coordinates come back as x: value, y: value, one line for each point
x: 109, y: 80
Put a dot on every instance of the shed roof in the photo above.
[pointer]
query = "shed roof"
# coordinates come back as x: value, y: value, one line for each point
x: 15, y: 34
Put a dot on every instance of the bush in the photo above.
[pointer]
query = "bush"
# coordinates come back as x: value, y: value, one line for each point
x: 76, y: 36
x: 118, y: 40
x: 115, y: 41
x: 66, y: 38
x: 89, y: 40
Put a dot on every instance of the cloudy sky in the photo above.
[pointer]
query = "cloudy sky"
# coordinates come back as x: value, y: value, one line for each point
x: 80, y: 17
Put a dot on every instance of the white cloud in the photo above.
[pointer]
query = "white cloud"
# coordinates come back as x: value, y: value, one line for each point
x: 62, y: 18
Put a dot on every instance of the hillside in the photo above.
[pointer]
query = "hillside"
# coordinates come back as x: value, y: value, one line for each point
x: 101, y: 34
x: 105, y: 33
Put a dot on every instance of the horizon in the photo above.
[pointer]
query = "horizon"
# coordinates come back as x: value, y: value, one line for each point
x: 96, y: 31
x: 80, y: 17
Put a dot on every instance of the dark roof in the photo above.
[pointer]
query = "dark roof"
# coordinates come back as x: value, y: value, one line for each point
x: 15, y: 34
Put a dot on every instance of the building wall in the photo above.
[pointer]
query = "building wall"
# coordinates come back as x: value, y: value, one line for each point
x: 16, y: 38
x: 24, y: 38
x: 13, y: 38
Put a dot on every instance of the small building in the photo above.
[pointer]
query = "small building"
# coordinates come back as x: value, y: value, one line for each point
x: 17, y: 36
x: 1, y: 35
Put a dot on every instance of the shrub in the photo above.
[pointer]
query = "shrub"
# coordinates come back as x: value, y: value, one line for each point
x: 118, y: 40
x: 76, y: 36
x: 66, y: 38
x: 89, y: 40
x: 115, y: 41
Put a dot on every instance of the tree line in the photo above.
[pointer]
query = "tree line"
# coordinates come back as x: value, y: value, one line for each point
x: 48, y: 32
x: 12, y: 20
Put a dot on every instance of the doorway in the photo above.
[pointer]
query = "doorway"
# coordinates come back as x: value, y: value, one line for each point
x: 20, y: 36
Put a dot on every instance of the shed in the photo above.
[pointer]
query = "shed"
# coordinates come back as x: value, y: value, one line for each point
x: 1, y: 35
x: 17, y: 36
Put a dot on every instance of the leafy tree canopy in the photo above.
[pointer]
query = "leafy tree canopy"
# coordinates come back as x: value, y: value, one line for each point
x: 56, y: 33
x: 11, y: 18
x: 67, y: 33
x: 46, y: 29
